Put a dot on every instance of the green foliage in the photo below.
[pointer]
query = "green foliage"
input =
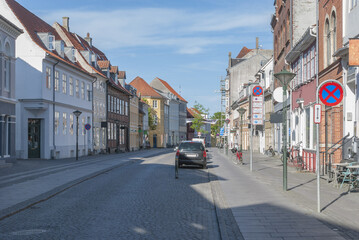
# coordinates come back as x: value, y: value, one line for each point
x: 215, y: 128
x: 199, y: 117
x: 151, y: 116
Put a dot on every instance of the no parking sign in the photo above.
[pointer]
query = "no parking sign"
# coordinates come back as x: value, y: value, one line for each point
x: 331, y: 93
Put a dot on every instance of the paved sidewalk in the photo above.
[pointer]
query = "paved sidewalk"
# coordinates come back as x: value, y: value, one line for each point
x: 264, y: 211
x: 28, y: 182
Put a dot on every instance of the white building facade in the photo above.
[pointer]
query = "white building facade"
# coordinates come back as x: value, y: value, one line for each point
x: 49, y: 89
x: 8, y: 34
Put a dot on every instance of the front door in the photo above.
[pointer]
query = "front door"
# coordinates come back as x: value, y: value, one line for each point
x: 34, y: 138
x: 155, y: 140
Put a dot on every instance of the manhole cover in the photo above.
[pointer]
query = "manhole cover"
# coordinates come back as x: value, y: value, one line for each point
x: 28, y: 232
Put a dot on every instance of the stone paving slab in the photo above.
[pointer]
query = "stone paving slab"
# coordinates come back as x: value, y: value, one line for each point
x: 263, y: 212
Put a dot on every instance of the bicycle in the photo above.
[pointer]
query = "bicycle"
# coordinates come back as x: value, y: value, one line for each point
x: 270, y: 152
x: 296, y: 159
x: 236, y: 156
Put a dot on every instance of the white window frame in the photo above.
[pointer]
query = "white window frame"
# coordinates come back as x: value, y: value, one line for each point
x: 57, y: 81
x: 64, y: 123
x: 57, y: 116
x: 64, y: 83
x: 71, y: 86
x: 155, y: 104
x: 48, y: 77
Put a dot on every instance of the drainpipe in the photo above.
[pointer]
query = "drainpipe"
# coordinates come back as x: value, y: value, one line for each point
x: 93, y: 112
x: 53, y: 106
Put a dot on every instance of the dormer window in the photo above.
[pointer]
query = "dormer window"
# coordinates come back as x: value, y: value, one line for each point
x: 51, y: 42
x: 62, y: 47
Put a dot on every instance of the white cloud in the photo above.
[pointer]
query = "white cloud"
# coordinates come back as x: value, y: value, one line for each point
x: 185, y: 31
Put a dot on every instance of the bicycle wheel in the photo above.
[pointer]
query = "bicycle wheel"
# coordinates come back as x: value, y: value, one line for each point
x: 176, y: 168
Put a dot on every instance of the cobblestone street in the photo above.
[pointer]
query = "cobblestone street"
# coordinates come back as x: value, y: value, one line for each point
x: 142, y: 200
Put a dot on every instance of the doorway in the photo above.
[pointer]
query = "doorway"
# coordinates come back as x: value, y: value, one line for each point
x: 34, y: 126
x: 155, y: 141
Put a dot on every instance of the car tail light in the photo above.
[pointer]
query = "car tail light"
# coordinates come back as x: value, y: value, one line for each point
x: 204, y: 153
x: 177, y: 153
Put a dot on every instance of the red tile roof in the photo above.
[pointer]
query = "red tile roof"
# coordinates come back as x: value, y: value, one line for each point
x: 103, y: 64
x: 193, y: 111
x: 114, y: 69
x: 243, y: 52
x: 144, y: 88
x: 75, y: 41
x: 34, y: 25
x: 171, y: 89
x: 122, y: 74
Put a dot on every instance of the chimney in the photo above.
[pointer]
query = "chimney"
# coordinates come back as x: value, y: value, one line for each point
x: 230, y: 59
x: 65, y: 23
x: 88, y: 39
x: 257, y: 43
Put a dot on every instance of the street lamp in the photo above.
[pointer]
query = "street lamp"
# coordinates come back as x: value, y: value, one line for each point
x: 241, y: 111
x: 77, y: 113
x: 284, y: 77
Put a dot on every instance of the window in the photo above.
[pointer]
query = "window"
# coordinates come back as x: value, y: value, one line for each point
x: 64, y: 123
x: 82, y: 90
x: 154, y: 104
x: 126, y: 108
x: 121, y: 107
x: 57, y: 115
x: 307, y: 127
x: 108, y: 103
x: 48, y: 77
x: 327, y: 43
x: 88, y: 93
x: 118, y: 106
x: 64, y: 83
x: 7, y: 73
x: 77, y: 89
x: 71, y: 124
x: 51, y: 42
x: 334, y: 32
x: 57, y: 76
x: 71, y: 86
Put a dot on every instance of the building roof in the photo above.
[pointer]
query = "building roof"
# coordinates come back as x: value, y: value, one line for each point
x: 76, y: 43
x: 193, y: 111
x: 103, y: 64
x: 144, y: 88
x: 122, y: 74
x: 171, y: 89
x: 244, y: 52
x: 33, y: 25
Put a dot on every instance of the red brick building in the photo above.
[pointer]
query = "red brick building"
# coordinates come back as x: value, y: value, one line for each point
x: 330, y: 40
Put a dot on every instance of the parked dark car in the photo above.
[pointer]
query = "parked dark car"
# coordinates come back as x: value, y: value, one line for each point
x: 192, y: 153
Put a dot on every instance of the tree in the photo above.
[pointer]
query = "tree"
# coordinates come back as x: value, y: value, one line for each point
x: 152, y: 116
x: 200, y: 114
x: 215, y: 128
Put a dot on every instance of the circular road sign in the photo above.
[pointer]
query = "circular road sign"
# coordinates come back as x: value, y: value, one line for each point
x: 88, y: 126
x: 257, y: 91
x: 331, y: 93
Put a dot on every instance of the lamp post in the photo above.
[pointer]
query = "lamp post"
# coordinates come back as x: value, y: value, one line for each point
x: 284, y: 77
x: 77, y: 113
x: 241, y: 111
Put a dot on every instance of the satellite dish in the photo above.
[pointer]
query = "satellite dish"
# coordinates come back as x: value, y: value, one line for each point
x: 278, y: 94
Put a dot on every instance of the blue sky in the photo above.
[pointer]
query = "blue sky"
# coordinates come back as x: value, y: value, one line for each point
x: 185, y: 43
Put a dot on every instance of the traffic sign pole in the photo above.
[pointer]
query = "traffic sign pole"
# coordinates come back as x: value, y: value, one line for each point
x: 325, y: 99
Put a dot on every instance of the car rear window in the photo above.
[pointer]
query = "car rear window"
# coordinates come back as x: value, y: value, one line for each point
x: 191, y: 146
